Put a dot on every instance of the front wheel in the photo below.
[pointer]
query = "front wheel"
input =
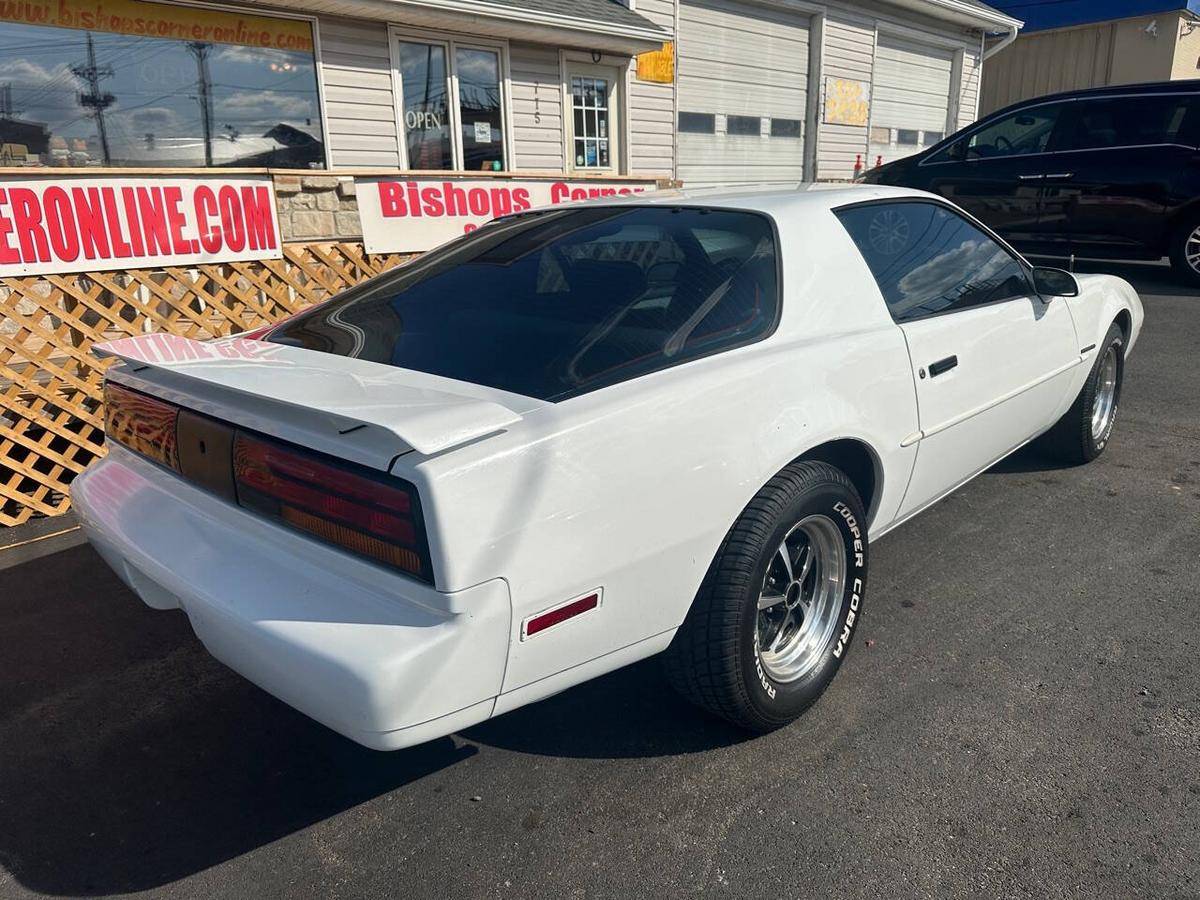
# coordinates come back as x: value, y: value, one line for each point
x: 1084, y: 430
x: 777, y: 610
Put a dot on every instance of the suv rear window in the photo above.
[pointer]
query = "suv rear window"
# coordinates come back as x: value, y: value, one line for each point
x: 1130, y: 121
x: 555, y: 303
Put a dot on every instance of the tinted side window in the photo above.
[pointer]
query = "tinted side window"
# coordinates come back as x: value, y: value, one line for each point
x: 927, y: 259
x: 1128, y: 121
x: 1019, y: 134
x: 558, y: 302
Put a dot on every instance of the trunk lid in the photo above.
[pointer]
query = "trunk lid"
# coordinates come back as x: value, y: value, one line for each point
x: 361, y: 411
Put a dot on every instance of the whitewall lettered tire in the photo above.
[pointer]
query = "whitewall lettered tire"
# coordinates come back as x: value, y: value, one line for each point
x: 780, y: 604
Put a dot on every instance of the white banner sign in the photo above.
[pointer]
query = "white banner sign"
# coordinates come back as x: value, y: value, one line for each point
x: 86, y: 224
x: 401, y: 215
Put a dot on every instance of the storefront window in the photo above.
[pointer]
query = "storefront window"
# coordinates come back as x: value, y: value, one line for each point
x: 453, y: 105
x: 479, y: 108
x: 148, y: 84
x: 426, y: 91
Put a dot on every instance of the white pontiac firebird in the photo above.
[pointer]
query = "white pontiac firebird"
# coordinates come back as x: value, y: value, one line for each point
x: 585, y: 435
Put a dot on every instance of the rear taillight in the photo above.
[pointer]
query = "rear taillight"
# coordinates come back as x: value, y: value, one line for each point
x: 375, y: 516
x: 371, y: 516
x: 142, y: 423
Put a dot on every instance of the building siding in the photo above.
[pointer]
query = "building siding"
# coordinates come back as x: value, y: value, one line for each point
x: 652, y: 107
x: 849, y: 52
x: 968, y: 102
x: 1122, y: 51
x: 360, y: 113
x: 536, y: 107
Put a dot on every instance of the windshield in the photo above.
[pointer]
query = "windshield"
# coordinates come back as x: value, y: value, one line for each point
x: 555, y: 303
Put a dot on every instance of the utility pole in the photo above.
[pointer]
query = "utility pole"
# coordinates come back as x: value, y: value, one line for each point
x: 93, y: 98
x: 7, y: 111
x: 200, y: 50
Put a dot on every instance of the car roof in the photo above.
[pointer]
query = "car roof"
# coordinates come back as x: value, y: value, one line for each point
x: 1184, y: 86
x: 774, y: 199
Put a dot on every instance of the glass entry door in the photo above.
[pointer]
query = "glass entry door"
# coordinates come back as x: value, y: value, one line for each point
x: 594, y: 118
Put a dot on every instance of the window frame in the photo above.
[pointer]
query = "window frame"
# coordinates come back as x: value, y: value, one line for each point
x: 318, y: 69
x: 1026, y: 266
x: 451, y: 41
x: 572, y: 65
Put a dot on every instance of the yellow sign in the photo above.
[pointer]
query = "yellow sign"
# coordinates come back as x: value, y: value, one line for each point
x: 657, y: 65
x: 157, y: 20
x: 847, y: 102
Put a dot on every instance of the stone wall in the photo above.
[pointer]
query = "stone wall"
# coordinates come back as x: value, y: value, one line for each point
x: 317, y: 207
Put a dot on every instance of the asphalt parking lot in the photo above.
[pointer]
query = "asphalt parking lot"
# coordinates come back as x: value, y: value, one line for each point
x: 1020, y: 717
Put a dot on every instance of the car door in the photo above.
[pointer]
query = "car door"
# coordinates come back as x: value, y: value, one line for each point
x: 1113, y: 178
x: 991, y: 359
x: 996, y: 172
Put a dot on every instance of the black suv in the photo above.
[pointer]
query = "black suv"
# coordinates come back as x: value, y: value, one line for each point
x: 1105, y: 172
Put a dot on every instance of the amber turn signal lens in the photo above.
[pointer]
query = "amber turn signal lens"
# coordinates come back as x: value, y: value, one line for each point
x: 142, y: 423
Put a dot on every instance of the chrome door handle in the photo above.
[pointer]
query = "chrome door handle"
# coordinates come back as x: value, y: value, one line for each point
x: 1029, y: 177
x: 1062, y: 175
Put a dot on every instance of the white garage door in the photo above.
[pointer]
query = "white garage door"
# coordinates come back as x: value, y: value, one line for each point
x: 911, y: 97
x: 743, y: 73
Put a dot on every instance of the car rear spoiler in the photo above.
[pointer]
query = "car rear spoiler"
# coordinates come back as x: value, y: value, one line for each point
x: 359, y: 410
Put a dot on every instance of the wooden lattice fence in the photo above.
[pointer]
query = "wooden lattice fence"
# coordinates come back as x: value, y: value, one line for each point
x: 51, y: 424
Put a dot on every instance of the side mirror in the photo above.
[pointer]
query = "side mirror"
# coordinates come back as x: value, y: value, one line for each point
x: 1050, y: 282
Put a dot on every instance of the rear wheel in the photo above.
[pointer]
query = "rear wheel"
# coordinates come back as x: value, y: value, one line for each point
x: 1084, y: 430
x: 1185, y: 249
x: 778, y: 607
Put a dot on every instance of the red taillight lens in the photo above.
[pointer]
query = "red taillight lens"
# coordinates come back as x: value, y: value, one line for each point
x: 142, y: 423
x: 362, y: 513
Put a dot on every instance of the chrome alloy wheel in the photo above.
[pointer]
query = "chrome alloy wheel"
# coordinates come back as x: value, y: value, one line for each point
x: 801, y: 598
x: 1105, y: 402
x: 1191, y: 249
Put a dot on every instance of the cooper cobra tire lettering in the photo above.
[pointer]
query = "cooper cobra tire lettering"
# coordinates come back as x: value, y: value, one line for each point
x: 718, y: 658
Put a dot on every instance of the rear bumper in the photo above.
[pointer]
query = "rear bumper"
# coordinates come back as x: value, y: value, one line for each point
x: 385, y: 661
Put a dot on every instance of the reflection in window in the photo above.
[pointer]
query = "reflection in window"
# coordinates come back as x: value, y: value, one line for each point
x: 589, y: 105
x: 927, y: 259
x: 70, y: 97
x: 792, y: 128
x: 478, y: 74
x: 697, y: 123
x: 425, y: 86
x: 751, y: 125
x: 1128, y: 121
x: 1022, y: 133
x: 557, y: 302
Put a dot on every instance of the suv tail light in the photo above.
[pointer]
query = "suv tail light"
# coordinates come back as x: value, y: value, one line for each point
x: 354, y: 510
x: 372, y: 515
x: 144, y: 424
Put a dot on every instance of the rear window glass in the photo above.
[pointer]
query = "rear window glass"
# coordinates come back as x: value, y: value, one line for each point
x: 1129, y: 121
x: 555, y: 303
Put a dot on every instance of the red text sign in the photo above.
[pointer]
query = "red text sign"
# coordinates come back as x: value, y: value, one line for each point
x: 410, y: 214
x: 86, y: 224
